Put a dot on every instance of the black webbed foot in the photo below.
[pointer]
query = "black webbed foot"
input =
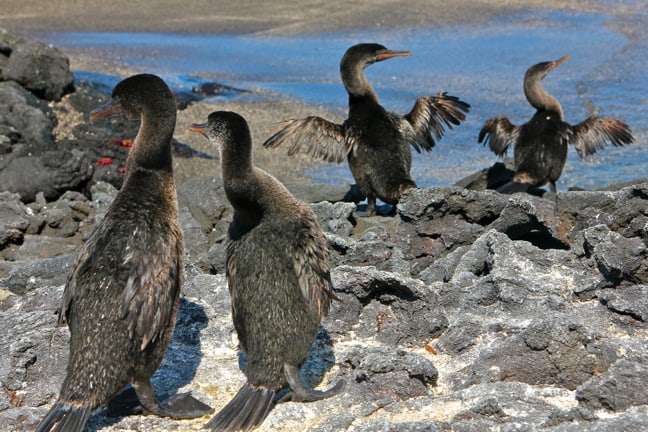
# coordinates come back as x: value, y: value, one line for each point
x: 124, y: 404
x: 178, y: 406
x: 299, y: 393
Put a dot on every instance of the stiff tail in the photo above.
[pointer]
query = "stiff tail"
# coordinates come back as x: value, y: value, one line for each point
x: 245, y: 412
x: 65, y: 417
x: 513, y: 187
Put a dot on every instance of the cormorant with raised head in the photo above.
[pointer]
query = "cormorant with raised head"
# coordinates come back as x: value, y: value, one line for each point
x: 540, y: 145
x: 375, y: 142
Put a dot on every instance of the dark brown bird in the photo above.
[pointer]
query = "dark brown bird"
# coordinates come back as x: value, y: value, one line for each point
x: 121, y: 297
x: 278, y: 275
x: 376, y: 142
x: 540, y: 145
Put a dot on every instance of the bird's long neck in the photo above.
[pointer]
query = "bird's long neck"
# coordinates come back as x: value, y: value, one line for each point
x: 241, y: 186
x: 539, y: 98
x: 236, y: 161
x: 238, y: 172
x: 356, y: 84
x: 152, y: 146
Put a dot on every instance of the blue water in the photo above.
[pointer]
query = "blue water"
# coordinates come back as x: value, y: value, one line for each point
x: 483, y: 65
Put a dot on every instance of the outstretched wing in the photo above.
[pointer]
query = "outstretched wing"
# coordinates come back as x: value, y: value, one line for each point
x: 320, y: 138
x: 312, y: 268
x: 594, y: 132
x: 429, y: 116
x: 499, y: 133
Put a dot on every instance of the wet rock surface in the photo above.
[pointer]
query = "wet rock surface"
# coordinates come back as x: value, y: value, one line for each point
x: 466, y: 310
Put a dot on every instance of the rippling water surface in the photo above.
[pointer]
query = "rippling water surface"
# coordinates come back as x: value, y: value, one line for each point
x: 483, y: 65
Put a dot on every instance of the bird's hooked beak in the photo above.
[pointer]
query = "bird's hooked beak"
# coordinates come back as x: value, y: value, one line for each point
x: 199, y: 127
x: 112, y: 108
x: 387, y: 54
x: 557, y: 62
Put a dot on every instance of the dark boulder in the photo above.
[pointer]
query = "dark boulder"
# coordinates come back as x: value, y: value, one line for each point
x: 41, y: 68
x: 26, y: 123
x: 51, y: 173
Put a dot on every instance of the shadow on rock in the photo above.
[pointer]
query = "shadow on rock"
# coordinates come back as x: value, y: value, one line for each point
x: 178, y: 367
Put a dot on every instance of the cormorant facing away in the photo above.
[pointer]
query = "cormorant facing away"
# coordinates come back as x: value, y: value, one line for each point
x: 278, y: 275
x: 540, y: 145
x: 122, y: 292
x: 375, y: 142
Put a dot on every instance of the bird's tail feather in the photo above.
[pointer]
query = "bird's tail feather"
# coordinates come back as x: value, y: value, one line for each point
x: 513, y: 187
x: 246, y: 411
x: 65, y: 417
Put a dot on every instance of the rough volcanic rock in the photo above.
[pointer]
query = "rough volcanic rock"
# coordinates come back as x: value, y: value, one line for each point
x: 619, y: 388
x: 41, y: 68
x: 467, y: 310
x: 26, y: 123
x: 52, y: 173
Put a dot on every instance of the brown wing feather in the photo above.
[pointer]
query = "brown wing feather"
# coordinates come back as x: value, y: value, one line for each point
x: 499, y: 133
x: 594, y: 132
x: 153, y: 280
x: 82, y: 264
x: 148, y: 297
x: 312, y: 268
x: 230, y: 268
x: 430, y: 114
x: 320, y: 138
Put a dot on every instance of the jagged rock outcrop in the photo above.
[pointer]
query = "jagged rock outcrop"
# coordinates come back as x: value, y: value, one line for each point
x: 467, y: 310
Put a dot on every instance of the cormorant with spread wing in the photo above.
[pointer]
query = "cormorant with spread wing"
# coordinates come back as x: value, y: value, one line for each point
x: 540, y: 145
x: 376, y: 142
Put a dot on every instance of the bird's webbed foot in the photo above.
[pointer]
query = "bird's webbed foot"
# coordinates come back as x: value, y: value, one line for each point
x: 178, y: 406
x: 299, y: 393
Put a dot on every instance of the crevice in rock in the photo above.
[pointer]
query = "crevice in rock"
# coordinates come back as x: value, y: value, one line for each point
x: 542, y: 239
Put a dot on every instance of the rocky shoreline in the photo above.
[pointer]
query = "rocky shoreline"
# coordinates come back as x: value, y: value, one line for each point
x: 467, y: 310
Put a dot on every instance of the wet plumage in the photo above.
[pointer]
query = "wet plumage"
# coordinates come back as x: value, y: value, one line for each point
x: 122, y: 293
x: 375, y: 142
x: 541, y: 144
x: 278, y: 275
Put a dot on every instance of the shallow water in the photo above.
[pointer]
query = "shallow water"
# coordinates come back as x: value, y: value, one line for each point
x: 483, y: 65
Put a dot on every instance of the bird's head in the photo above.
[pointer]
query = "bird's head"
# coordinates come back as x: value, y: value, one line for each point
x: 366, y: 54
x: 540, y: 70
x: 135, y: 95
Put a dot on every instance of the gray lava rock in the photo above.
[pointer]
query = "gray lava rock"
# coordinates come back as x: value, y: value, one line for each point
x: 400, y: 311
x: 617, y: 257
x: 391, y: 374
x: 619, y: 388
x: 63, y: 217
x: 51, y: 173
x: 336, y: 218
x: 205, y: 215
x: 632, y: 300
x: 548, y: 352
x: 472, y: 315
x: 443, y: 219
x: 40, y: 68
x: 25, y: 122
